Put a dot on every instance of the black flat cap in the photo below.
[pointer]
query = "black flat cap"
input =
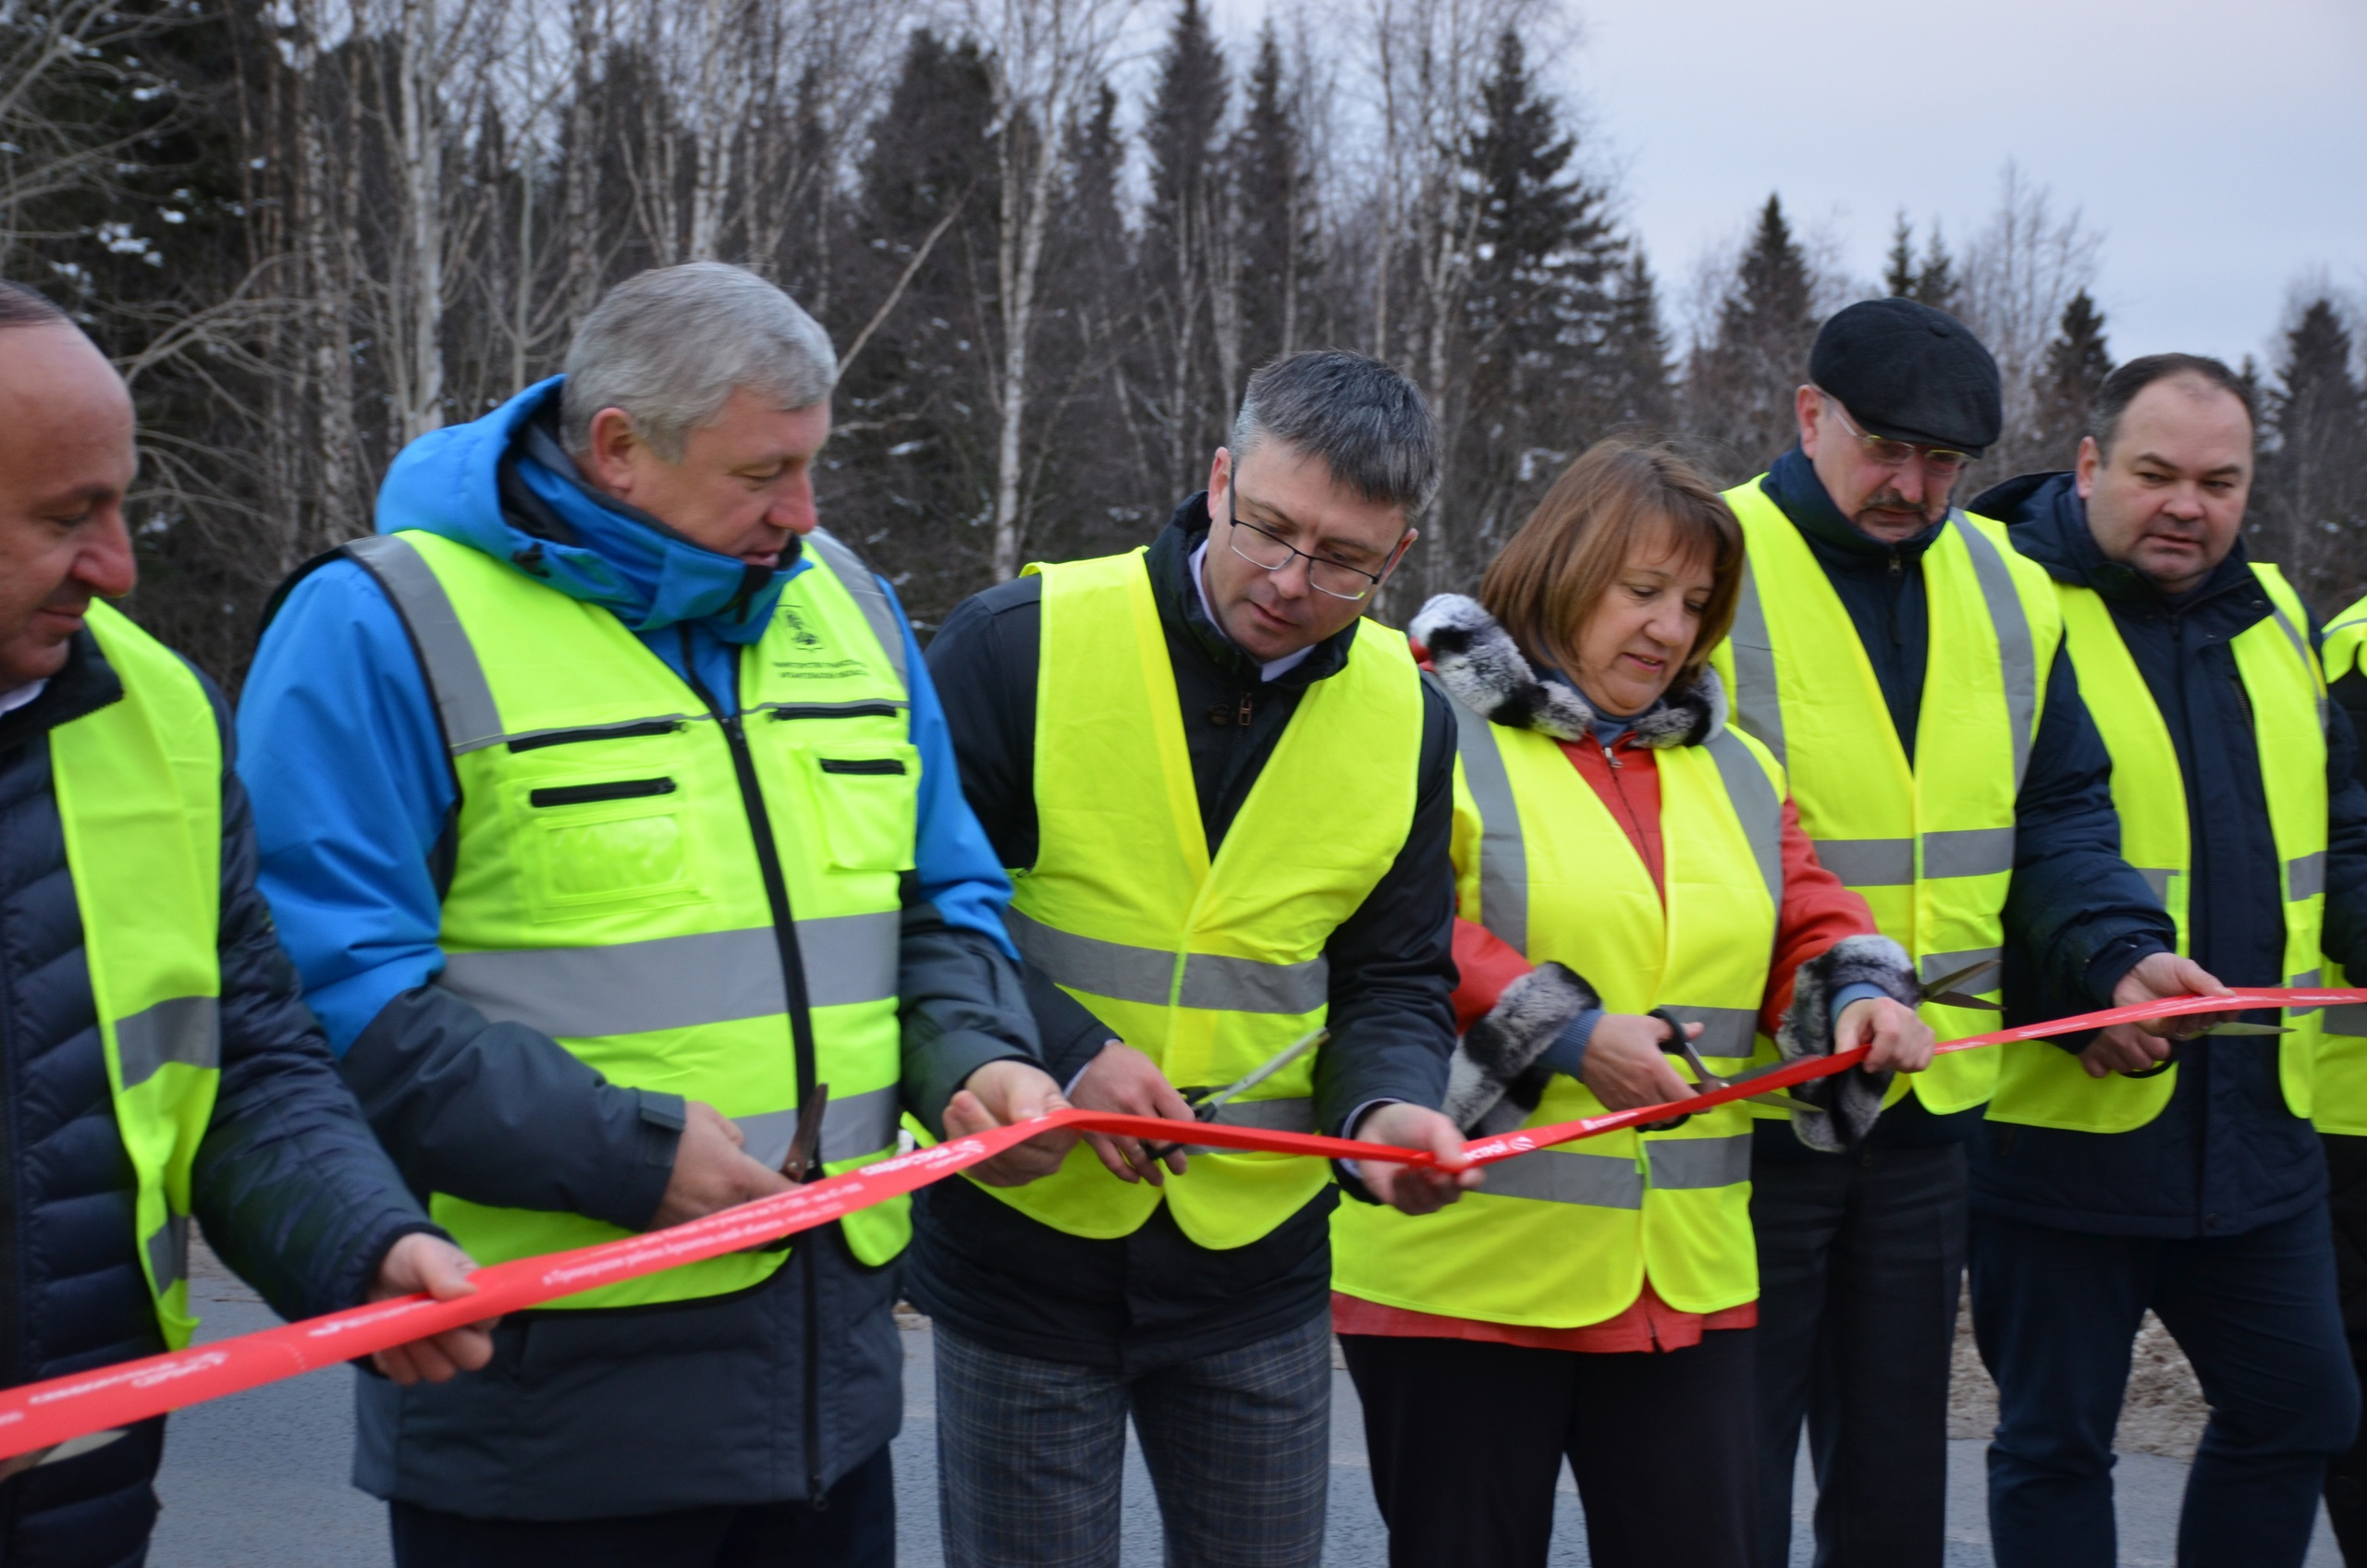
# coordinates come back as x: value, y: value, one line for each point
x: 1910, y: 373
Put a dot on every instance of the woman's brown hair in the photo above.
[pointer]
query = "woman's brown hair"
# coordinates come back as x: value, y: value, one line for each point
x: 1551, y: 574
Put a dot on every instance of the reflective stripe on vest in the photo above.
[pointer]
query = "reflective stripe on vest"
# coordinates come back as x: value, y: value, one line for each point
x: 607, y: 888
x: 1208, y: 967
x: 139, y: 787
x: 2041, y: 1085
x: 1559, y: 1237
x: 2340, y: 1097
x: 1929, y: 844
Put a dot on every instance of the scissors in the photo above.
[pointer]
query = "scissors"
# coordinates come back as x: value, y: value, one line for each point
x: 1205, y: 1103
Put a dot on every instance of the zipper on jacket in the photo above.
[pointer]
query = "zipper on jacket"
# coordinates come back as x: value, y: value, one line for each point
x: 863, y: 766
x: 1611, y: 757
x: 621, y: 789
x: 1243, y: 717
x: 801, y: 1033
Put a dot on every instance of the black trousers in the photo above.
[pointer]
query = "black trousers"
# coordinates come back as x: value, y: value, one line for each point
x: 857, y: 1529
x: 2346, y: 1477
x: 1466, y: 1442
x: 1861, y: 1265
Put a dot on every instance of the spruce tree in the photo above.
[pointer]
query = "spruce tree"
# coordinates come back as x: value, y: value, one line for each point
x: 1638, y: 389
x: 2316, y: 478
x: 1898, y: 268
x: 1279, y: 245
x: 1178, y: 245
x: 1739, y: 390
x: 2077, y: 363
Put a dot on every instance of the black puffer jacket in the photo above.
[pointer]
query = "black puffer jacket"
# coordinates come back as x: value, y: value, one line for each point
x: 290, y: 1187
x: 2224, y: 1155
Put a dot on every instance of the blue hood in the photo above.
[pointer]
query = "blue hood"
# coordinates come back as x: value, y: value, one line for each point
x: 449, y: 483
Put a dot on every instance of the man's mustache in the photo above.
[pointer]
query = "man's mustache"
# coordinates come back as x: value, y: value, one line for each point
x: 1892, y: 501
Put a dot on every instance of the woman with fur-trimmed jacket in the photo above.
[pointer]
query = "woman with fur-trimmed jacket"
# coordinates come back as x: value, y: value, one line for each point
x: 1625, y: 865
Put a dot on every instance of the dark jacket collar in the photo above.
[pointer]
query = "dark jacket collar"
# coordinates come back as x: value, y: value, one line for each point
x: 1179, y: 606
x: 85, y: 685
x: 1793, y: 486
x: 2048, y: 523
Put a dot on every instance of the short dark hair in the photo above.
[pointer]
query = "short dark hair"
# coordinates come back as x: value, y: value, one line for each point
x: 20, y: 306
x: 2121, y: 388
x: 1367, y: 422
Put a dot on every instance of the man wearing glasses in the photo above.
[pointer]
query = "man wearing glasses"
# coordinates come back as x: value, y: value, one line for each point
x: 1900, y: 660
x: 1228, y: 802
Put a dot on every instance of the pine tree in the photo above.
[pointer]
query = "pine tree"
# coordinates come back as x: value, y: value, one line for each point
x: 1739, y: 389
x: 1898, y: 268
x: 1637, y: 390
x: 1936, y: 283
x: 1181, y: 242
x: 1280, y: 252
x: 2316, y: 479
x: 1535, y: 313
x: 2077, y: 363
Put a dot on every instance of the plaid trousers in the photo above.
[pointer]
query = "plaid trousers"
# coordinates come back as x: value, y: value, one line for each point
x: 1031, y: 1455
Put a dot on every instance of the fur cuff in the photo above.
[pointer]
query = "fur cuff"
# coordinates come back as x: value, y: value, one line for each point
x: 1495, y: 1079
x: 1481, y: 667
x: 1849, y: 1101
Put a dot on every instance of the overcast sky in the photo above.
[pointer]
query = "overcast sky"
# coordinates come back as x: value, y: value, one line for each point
x: 2219, y: 145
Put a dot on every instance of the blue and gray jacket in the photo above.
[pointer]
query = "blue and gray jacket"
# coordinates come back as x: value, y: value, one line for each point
x: 582, y: 1414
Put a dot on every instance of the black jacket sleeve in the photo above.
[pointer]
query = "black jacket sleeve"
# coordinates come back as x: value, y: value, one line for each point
x: 2076, y: 908
x: 292, y: 1189
x: 1392, y: 962
x: 962, y: 1005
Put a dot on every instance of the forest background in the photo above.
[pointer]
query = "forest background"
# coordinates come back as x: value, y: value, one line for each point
x: 1050, y: 238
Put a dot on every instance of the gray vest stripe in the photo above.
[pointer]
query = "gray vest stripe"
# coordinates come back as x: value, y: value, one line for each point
x: 2300, y: 648
x: 1213, y: 981
x: 1562, y: 1176
x: 1503, y: 859
x: 1725, y: 1031
x: 853, y: 1126
x: 2348, y: 1020
x: 2017, y: 655
x: 167, y: 1248
x: 869, y: 597
x: 2309, y: 980
x: 183, y: 1029
x: 1681, y: 1164
x: 463, y: 700
x: 1755, y: 803
x: 1868, y: 862
x: 2158, y: 878
x: 1968, y: 852
x: 678, y: 982
x: 2305, y: 875
x: 1757, y: 704
x: 1934, y: 965
x: 1292, y: 1115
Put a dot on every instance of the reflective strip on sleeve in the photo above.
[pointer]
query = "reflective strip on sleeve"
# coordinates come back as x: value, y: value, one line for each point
x: 1694, y: 1163
x: 447, y: 657
x: 1148, y: 975
x: 1559, y: 1176
x: 853, y: 1126
x: 1503, y: 858
x: 2305, y: 877
x: 184, y: 1029
x: 678, y: 982
x: 1868, y: 862
x: 1752, y: 794
x: 1757, y: 704
x: 2017, y: 655
x: 1968, y: 852
x: 869, y: 597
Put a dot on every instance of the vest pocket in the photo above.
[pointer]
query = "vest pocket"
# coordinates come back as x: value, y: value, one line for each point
x: 585, y: 794
x: 595, y: 845
x: 866, y: 796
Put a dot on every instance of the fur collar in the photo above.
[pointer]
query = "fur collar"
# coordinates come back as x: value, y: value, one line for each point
x: 1481, y: 667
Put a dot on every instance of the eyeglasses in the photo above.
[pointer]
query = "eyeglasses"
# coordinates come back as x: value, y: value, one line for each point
x: 1267, y: 553
x: 1940, y: 462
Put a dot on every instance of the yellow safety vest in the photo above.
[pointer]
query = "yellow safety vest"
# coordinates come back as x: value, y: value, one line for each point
x: 2340, y: 1095
x: 1207, y: 968
x: 139, y: 787
x: 1929, y: 844
x: 1564, y: 1237
x: 2043, y: 1085
x: 614, y: 841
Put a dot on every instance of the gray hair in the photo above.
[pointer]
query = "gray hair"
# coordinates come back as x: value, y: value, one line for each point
x: 20, y: 306
x: 1366, y: 421
x: 669, y: 346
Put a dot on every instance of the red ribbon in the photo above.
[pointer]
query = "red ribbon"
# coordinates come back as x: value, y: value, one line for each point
x: 37, y: 1415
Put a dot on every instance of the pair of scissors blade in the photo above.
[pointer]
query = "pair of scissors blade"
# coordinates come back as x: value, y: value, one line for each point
x: 2239, y: 1026
x: 806, y: 1146
x: 75, y: 1447
x: 1935, y: 989
x: 1206, y: 1108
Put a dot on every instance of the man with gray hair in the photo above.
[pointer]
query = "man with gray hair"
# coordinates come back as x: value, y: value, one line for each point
x: 607, y: 810
x: 1231, y: 801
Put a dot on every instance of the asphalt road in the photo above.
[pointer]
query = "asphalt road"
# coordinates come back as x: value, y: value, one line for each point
x: 259, y: 1480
